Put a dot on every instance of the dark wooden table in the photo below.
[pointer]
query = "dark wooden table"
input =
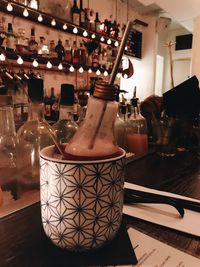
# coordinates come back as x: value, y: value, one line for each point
x: 22, y: 238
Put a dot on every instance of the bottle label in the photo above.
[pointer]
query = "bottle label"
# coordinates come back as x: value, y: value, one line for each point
x: 47, y: 110
x: 76, y: 18
x: 11, y: 42
x: 82, y: 17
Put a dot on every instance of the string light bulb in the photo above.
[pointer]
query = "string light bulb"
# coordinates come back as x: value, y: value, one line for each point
x: 81, y: 70
x: 116, y: 43
x: 49, y: 65
x: 25, y: 13
x: 125, y: 76
x: 102, y: 39
x: 20, y: 60
x: 71, y: 69
x: 75, y: 30
x: 2, y: 57
x: 60, y: 66
x: 40, y: 18
x: 93, y: 36
x: 90, y: 70
x: 126, y: 48
x: 35, y: 63
x: 109, y: 42
x: 65, y: 26
x: 105, y: 73
x: 98, y: 72
x: 118, y: 75
x: 9, y: 7
x: 53, y: 22
x: 85, y: 34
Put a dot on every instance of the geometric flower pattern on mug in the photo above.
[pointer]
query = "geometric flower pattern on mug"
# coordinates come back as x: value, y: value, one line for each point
x: 81, y: 204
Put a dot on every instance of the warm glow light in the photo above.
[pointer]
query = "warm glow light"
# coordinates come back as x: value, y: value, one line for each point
x: 65, y: 26
x: 105, y: 73
x: 125, y: 76
x: 35, y: 63
x: 85, y: 34
x: 118, y: 75
x: 90, y: 70
x: 98, y: 72
x: 93, y: 36
x: 25, y: 12
x: 81, y: 70
x: 9, y: 7
x: 116, y: 43
x: 53, y: 22
x: 20, y: 60
x: 60, y: 66
x: 49, y: 65
x: 71, y: 69
x: 109, y: 42
x: 40, y: 18
x: 126, y: 48
x: 75, y: 30
x: 2, y: 57
x: 102, y: 39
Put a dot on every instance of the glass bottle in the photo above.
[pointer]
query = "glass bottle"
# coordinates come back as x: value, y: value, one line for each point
x: 59, y: 48
x: 8, y: 146
x: 22, y: 41
x: 95, y: 137
x: 47, y: 105
x: 33, y: 4
x: 33, y: 45
x: 43, y: 48
x: 66, y: 127
x: 82, y: 54
x: 68, y: 52
x: 52, y: 100
x: 82, y: 14
x: 52, y: 52
x: 75, y: 54
x: 136, y: 131
x: 75, y: 12
x: 2, y: 34
x: 33, y: 136
x: 10, y: 38
x: 97, y: 23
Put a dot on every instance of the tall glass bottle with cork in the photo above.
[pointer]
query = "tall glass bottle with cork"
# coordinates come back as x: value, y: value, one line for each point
x: 34, y: 135
x: 66, y: 127
x: 136, y: 131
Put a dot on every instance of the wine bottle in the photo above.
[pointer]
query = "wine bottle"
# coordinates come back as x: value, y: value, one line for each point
x: 75, y: 12
x: 52, y: 102
x: 33, y: 45
x: 82, y: 15
x: 97, y: 23
x: 59, y: 48
x: 10, y: 38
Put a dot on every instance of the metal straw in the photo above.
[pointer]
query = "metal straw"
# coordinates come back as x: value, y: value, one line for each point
x: 120, y: 52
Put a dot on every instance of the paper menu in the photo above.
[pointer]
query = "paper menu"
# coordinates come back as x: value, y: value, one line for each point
x: 153, y: 253
x: 163, y: 214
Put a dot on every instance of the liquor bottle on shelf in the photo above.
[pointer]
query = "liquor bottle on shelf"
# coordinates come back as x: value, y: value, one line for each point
x: 22, y: 41
x: 43, y: 48
x: 97, y: 23
x: 47, y: 106
x: 66, y: 127
x: 33, y: 136
x: 75, y: 12
x: 52, y: 102
x: 52, y: 52
x: 75, y: 54
x: 9, y: 146
x: 82, y: 15
x: 33, y: 45
x: 87, y: 20
x: 82, y: 54
x: 92, y: 18
x: 2, y: 34
x: 95, y: 58
x: 59, y: 48
x: 136, y: 132
x: 10, y: 38
x: 33, y: 4
x: 68, y: 52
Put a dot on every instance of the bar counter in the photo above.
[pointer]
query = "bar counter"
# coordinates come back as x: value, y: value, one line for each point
x: 23, y: 242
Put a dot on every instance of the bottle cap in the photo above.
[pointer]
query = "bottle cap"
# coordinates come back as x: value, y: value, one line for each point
x: 35, y: 90
x: 67, y: 95
x: 105, y: 91
x: 6, y: 100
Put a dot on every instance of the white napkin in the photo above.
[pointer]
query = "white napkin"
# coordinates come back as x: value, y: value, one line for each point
x: 164, y: 214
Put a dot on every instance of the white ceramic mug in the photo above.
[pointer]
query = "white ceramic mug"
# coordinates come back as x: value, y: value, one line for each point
x: 81, y: 201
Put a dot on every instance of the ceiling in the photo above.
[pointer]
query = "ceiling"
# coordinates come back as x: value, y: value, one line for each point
x: 183, y: 11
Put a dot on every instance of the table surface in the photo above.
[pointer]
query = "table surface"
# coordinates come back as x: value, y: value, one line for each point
x: 22, y: 231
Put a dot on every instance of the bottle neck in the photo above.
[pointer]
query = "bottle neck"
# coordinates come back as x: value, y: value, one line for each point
x: 66, y: 113
x: 7, y: 125
x: 36, y: 111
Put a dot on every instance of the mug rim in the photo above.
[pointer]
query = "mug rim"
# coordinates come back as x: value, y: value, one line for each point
x: 64, y: 161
